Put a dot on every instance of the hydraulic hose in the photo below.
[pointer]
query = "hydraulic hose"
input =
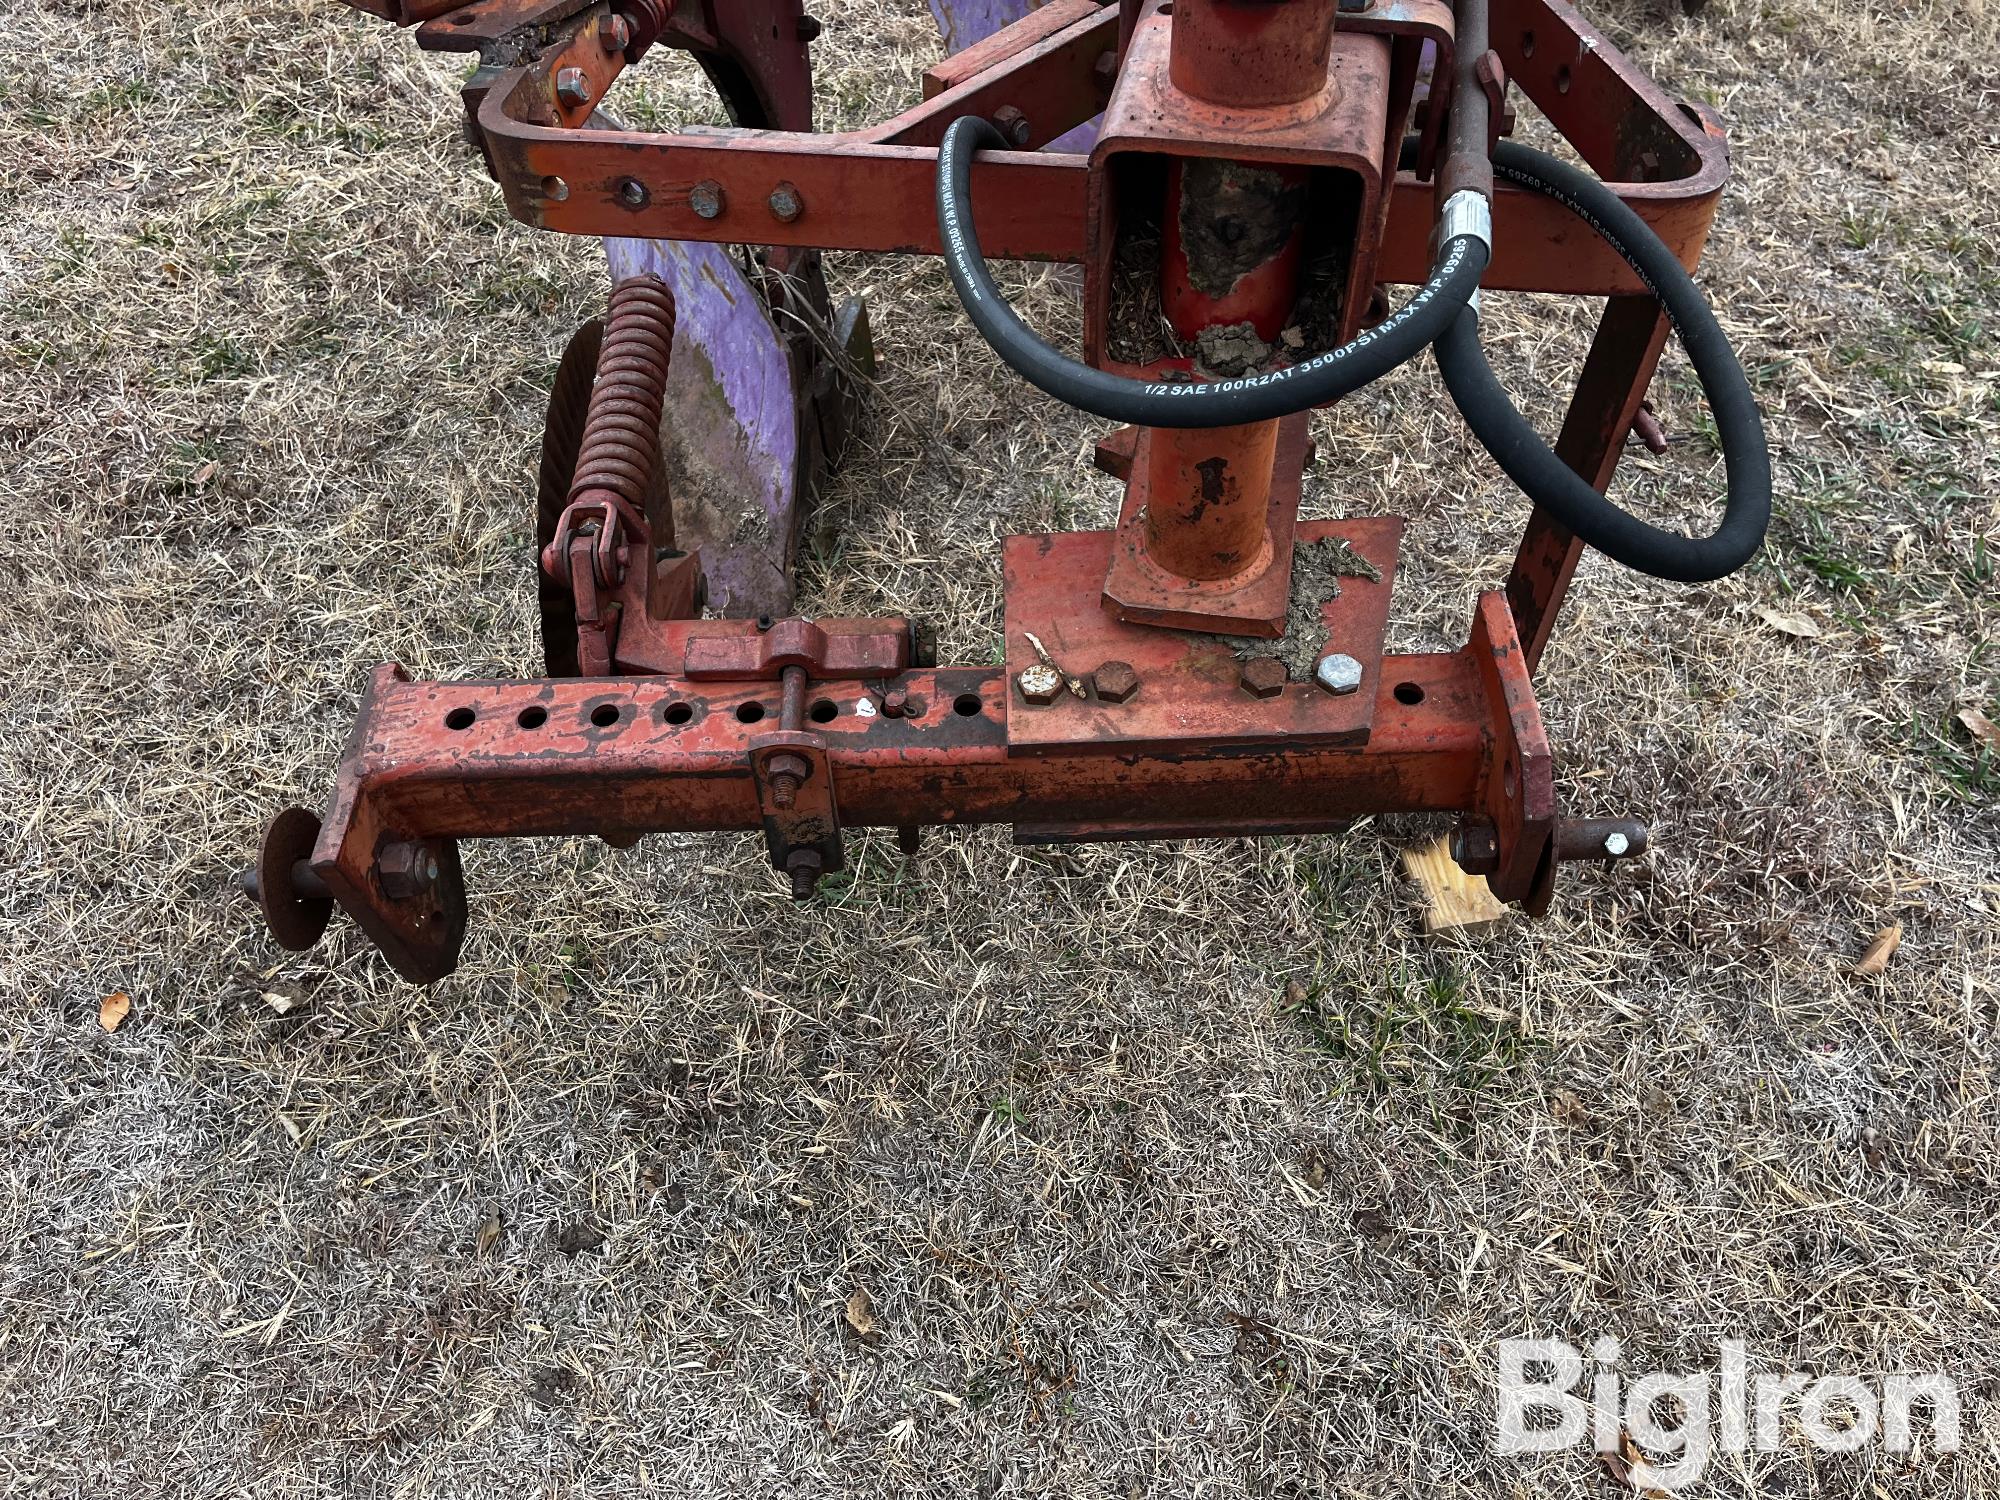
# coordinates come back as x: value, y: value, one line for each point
x: 1551, y: 483
x: 1464, y: 246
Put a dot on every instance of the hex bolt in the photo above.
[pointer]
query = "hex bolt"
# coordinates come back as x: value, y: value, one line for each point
x: 901, y: 703
x: 614, y: 33
x: 705, y: 198
x: 809, y: 28
x: 1105, y: 70
x: 1616, y: 844
x: 1012, y: 124
x: 803, y: 865
x: 1264, y: 677
x: 404, y: 870
x: 786, y: 204
x: 1338, y: 673
x: 1039, y: 684
x: 1115, y: 681
x: 573, y: 87
x: 787, y: 773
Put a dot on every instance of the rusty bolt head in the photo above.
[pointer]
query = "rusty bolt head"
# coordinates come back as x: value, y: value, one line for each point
x: 1264, y: 677
x: 1115, y: 681
x: 614, y: 33
x: 1039, y: 684
x: 573, y: 87
x: 1012, y: 124
x: 1338, y: 673
x: 705, y: 198
x: 803, y: 865
x: 1105, y: 68
x: 786, y: 204
x: 901, y: 703
x: 405, y: 870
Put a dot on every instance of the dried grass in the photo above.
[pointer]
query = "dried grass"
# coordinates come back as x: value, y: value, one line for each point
x: 1127, y: 1221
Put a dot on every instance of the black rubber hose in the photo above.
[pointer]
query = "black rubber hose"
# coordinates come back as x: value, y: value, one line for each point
x: 1550, y: 482
x: 1219, y: 403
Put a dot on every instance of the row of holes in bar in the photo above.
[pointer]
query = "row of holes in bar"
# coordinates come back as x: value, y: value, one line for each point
x: 676, y: 714
x: 634, y: 194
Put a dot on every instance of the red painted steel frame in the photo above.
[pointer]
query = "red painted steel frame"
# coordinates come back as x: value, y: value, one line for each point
x: 873, y: 189
x: 803, y: 727
x: 434, y: 762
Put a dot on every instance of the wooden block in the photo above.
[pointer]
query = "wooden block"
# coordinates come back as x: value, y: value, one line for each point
x: 1453, y: 900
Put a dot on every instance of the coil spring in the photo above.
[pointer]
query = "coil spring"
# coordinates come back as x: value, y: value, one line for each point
x: 621, y: 434
x: 647, y: 18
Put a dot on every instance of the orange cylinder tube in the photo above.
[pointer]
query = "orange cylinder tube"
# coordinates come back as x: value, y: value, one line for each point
x: 1208, y: 490
x: 1247, y: 54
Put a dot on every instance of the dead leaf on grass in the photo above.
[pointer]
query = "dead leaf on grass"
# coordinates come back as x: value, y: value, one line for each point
x: 1625, y: 1468
x: 1876, y: 958
x: 1981, y: 728
x: 1568, y: 1108
x: 1871, y: 1149
x: 113, y: 1009
x: 488, y: 1236
x: 283, y: 996
x: 861, y: 1314
x: 1802, y: 626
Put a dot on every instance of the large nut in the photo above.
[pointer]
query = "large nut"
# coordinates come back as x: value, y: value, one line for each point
x: 1039, y: 684
x: 405, y: 871
x: 1264, y: 677
x: 1115, y: 681
x: 787, y: 772
x: 1012, y: 124
x: 573, y: 87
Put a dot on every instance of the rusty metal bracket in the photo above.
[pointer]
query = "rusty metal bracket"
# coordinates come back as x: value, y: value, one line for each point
x: 1517, y: 789
x: 823, y: 649
x: 795, y: 798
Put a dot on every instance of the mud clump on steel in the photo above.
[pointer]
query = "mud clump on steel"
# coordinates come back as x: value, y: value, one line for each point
x: 1234, y: 217
x: 1317, y: 568
x: 1231, y: 349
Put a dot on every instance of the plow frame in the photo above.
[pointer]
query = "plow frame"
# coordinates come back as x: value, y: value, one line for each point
x: 805, y: 728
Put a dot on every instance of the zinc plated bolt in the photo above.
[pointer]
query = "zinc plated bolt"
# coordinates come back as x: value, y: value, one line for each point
x: 1039, y: 684
x: 1338, y: 673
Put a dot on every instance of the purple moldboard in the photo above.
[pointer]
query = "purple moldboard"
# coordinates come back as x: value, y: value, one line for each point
x: 725, y: 320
